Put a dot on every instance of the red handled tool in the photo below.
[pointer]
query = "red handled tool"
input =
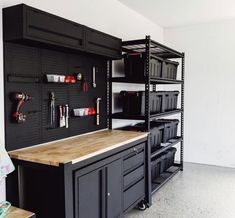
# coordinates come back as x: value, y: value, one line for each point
x: 84, y: 85
x: 21, y: 99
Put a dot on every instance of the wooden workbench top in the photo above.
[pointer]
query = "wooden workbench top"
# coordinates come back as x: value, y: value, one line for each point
x: 78, y: 148
x: 18, y: 213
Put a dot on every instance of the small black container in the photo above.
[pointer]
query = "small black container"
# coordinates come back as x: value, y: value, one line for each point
x: 169, y: 69
x: 155, y: 168
x: 156, y: 133
x: 171, y: 156
x: 133, y: 103
x: 170, y: 128
x: 134, y: 66
x: 170, y: 100
x: 163, y: 162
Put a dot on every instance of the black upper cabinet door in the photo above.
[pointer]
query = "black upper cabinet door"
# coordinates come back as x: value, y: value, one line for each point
x: 24, y: 24
x: 29, y: 25
x: 102, y: 43
x: 49, y: 28
x: 114, y: 189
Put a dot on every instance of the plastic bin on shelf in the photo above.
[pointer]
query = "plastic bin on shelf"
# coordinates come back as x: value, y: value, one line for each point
x: 134, y: 66
x: 156, y: 133
x: 170, y: 128
x: 171, y: 156
x: 169, y: 69
x: 155, y: 167
x: 161, y: 163
x: 170, y: 100
x: 133, y: 102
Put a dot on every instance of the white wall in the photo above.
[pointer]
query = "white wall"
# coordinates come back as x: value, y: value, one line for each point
x: 109, y: 16
x: 210, y: 89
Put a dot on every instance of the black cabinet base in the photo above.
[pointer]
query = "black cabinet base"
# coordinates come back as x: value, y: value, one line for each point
x: 93, y: 188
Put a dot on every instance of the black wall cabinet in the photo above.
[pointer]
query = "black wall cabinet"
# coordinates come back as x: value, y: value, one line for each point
x: 101, y: 43
x: 28, y: 25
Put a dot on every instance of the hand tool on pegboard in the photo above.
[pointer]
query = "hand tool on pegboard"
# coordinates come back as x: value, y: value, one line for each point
x: 84, y: 85
x: 61, y: 113
x: 20, y: 98
x: 67, y: 116
x: 98, y: 111
x: 94, y: 76
x: 52, y: 108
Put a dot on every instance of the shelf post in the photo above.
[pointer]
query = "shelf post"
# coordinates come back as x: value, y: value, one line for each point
x: 109, y: 93
x: 182, y: 115
x: 147, y: 122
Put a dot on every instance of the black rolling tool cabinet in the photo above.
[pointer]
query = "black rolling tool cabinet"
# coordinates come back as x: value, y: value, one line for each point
x: 149, y: 63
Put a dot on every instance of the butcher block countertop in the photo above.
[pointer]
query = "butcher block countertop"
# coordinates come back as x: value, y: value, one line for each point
x: 78, y: 148
x: 18, y: 213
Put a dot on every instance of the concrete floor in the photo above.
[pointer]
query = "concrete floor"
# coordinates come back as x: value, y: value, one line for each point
x: 200, y: 191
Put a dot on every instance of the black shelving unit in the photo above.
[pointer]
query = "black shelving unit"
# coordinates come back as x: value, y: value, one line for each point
x: 151, y: 48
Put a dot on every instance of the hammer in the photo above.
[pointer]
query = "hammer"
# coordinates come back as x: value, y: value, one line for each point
x: 98, y: 111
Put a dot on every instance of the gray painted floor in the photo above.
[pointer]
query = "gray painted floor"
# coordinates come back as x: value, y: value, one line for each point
x: 200, y: 191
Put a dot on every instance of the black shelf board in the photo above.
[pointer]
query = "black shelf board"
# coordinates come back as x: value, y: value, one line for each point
x: 165, y: 81
x: 168, y: 145
x: 156, y: 48
x: 144, y: 80
x: 121, y: 115
x: 164, y: 178
x: 127, y: 80
x: 168, y: 113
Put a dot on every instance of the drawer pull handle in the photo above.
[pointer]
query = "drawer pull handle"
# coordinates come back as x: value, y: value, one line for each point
x: 135, y: 150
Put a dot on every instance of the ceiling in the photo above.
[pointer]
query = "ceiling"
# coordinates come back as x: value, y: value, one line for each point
x: 171, y: 13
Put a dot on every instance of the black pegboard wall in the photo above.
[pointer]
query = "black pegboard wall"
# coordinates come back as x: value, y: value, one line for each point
x: 21, y: 60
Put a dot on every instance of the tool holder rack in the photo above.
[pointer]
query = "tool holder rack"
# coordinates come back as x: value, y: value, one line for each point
x: 150, y: 48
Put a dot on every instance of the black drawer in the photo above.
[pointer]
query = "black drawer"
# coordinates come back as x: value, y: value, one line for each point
x: 49, y: 28
x: 133, y: 194
x: 101, y: 43
x: 133, y: 176
x: 135, y: 158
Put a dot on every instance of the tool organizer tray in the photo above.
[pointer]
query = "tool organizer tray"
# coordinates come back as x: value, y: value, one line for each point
x: 25, y: 70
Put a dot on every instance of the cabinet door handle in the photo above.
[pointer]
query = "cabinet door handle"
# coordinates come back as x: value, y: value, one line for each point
x: 109, y: 194
x: 135, y: 150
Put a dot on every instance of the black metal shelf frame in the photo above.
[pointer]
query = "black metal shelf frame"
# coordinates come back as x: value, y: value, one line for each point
x: 152, y: 80
x: 121, y: 115
x: 152, y: 48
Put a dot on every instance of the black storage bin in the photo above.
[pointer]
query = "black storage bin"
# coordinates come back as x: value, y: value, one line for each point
x: 134, y: 66
x: 170, y: 100
x: 170, y: 128
x: 171, y: 157
x: 169, y: 69
x: 155, y: 68
x: 133, y: 103
x: 156, y: 133
x: 163, y: 162
x: 155, y: 167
